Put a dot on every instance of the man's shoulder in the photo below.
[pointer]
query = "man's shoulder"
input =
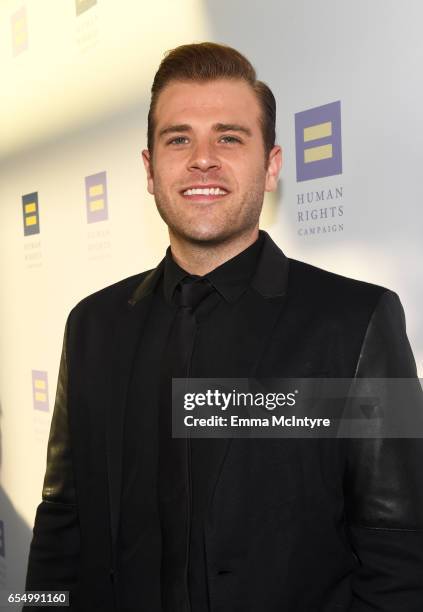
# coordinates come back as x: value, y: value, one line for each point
x: 309, y: 286
x: 109, y: 298
x: 314, y: 283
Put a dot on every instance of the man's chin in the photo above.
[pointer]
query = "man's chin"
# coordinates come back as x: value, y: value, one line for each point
x: 204, y: 236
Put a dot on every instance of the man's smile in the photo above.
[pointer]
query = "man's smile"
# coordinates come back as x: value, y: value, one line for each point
x: 204, y: 193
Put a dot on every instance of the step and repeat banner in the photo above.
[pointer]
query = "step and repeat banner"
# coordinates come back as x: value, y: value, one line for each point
x: 75, y: 215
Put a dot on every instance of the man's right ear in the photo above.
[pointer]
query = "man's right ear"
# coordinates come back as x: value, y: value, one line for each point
x: 149, y: 170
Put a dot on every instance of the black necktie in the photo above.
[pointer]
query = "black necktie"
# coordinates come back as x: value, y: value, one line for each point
x: 173, y: 452
x: 192, y: 290
x: 189, y: 293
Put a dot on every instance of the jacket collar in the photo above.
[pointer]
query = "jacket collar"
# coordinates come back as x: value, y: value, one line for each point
x: 148, y: 284
x: 264, y: 281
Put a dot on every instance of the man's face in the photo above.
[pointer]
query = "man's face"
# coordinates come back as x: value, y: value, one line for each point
x: 208, y: 172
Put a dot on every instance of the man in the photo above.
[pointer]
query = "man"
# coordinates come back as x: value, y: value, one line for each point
x: 133, y: 519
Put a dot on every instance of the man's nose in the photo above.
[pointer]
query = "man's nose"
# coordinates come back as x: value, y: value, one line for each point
x: 204, y: 158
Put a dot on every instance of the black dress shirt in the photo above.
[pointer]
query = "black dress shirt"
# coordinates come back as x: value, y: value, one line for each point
x: 140, y: 559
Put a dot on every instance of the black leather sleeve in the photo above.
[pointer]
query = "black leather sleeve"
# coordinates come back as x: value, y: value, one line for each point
x: 55, y: 547
x: 384, y: 482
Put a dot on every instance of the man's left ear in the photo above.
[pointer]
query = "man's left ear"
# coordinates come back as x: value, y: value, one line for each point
x: 149, y: 170
x: 274, y: 166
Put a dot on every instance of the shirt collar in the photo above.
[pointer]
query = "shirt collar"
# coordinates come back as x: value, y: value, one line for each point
x: 230, y: 279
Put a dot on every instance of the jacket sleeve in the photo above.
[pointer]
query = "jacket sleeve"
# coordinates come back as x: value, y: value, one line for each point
x: 384, y: 482
x: 55, y: 547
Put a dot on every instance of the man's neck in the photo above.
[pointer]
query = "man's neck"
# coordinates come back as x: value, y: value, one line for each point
x: 200, y: 259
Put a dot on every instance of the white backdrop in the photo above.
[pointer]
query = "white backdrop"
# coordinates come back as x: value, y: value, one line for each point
x: 73, y: 104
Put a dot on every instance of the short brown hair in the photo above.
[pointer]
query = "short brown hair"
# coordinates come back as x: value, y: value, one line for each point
x: 208, y: 61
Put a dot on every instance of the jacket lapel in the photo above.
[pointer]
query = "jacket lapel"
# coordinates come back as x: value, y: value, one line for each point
x: 243, y: 351
x: 261, y: 309
x: 128, y: 328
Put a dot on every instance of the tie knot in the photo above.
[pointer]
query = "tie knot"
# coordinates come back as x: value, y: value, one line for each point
x: 192, y: 290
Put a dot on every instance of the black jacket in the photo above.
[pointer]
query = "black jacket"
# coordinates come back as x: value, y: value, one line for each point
x: 294, y: 525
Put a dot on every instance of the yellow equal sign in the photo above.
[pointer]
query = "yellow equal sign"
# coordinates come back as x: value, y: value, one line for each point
x: 97, y: 204
x: 40, y: 397
x: 96, y: 190
x: 315, y: 132
x: 317, y: 153
x: 19, y: 31
x: 30, y: 207
x: 31, y: 220
x: 320, y: 130
x: 39, y: 383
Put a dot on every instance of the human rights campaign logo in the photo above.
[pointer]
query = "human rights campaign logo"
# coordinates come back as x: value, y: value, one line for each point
x: 83, y: 5
x: 19, y: 31
x: 318, y: 142
x: 96, y: 196
x: 2, y: 544
x: 40, y: 390
x: 31, y: 215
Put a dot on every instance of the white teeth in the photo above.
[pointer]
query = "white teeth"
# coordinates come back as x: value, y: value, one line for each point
x: 207, y: 191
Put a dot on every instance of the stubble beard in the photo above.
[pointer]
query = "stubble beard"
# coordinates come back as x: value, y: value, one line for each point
x: 239, y: 222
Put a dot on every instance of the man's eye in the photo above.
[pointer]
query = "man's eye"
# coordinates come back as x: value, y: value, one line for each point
x: 230, y: 139
x: 178, y: 140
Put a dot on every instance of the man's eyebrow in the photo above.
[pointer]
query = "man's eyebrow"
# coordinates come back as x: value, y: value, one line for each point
x: 171, y: 129
x: 231, y: 127
x: 217, y: 127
